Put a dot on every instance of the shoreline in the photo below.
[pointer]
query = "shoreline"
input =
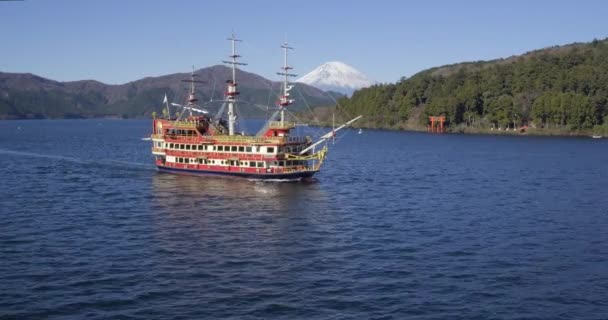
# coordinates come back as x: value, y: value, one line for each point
x: 469, y: 131
x: 534, y: 132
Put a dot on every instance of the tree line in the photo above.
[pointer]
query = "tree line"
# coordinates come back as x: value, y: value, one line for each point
x: 564, y: 88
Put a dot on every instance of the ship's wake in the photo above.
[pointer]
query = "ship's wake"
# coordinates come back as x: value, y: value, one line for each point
x: 302, y: 180
x: 107, y: 163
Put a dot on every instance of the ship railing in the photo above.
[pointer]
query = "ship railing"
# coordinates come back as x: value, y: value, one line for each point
x: 281, y: 125
x: 235, y: 139
x: 177, y: 138
x: 248, y: 139
x: 187, y: 124
x: 174, y: 137
x: 299, y: 139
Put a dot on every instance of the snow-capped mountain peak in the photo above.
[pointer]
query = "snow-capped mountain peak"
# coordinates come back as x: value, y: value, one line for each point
x: 336, y: 76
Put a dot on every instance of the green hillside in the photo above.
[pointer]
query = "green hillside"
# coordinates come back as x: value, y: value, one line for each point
x: 26, y: 96
x: 561, y: 90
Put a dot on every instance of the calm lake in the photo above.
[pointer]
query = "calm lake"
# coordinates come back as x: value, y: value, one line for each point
x: 397, y: 225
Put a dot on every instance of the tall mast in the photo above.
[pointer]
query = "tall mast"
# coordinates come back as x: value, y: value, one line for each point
x: 284, y: 99
x: 231, y: 92
x: 192, y: 95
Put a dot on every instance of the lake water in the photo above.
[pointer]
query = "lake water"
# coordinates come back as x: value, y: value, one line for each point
x: 397, y: 225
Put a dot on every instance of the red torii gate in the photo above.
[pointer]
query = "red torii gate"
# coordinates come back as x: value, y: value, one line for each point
x: 437, y: 124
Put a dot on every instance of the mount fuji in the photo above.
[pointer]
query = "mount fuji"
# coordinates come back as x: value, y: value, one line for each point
x: 336, y: 76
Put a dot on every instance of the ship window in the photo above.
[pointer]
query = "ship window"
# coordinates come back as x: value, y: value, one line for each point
x: 241, y: 149
x: 181, y: 146
x: 200, y: 147
x: 269, y: 149
x: 234, y: 148
x: 260, y: 164
x: 187, y: 147
x: 171, y: 146
x: 248, y: 149
x: 252, y: 163
x: 220, y: 148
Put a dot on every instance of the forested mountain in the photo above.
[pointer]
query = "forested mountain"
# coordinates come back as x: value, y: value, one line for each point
x: 562, y: 88
x: 25, y: 95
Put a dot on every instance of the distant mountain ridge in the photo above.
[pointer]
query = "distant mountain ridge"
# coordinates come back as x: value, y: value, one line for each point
x: 25, y: 95
x: 336, y: 76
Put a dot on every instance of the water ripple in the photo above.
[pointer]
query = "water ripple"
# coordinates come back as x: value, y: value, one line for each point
x: 416, y: 226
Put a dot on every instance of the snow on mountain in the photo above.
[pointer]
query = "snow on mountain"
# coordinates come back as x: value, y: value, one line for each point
x: 336, y: 76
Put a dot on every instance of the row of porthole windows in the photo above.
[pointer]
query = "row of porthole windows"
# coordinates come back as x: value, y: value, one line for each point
x: 251, y: 164
x: 294, y: 149
x: 181, y: 132
x: 201, y: 147
x: 289, y: 163
x: 235, y: 163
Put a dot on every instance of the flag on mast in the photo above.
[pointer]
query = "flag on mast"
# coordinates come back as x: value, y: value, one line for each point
x: 165, y: 100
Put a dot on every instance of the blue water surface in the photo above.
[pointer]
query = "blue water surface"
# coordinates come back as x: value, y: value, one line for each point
x: 397, y: 225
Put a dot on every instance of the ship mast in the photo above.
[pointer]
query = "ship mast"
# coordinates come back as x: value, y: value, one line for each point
x: 284, y: 99
x: 231, y: 92
x: 192, y: 95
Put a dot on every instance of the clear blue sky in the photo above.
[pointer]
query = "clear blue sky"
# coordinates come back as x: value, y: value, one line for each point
x: 116, y: 41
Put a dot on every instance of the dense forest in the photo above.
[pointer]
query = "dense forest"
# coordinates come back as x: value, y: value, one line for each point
x: 560, y: 89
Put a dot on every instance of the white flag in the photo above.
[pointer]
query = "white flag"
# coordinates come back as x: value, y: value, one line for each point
x: 165, y: 100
